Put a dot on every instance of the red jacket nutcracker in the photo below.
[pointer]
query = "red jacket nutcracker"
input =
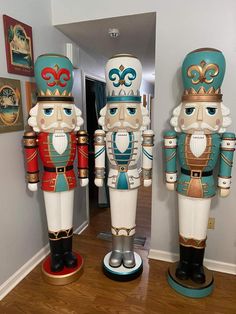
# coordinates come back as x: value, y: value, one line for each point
x: 56, y: 140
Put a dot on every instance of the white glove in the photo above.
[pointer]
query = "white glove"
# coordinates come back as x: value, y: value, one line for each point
x: 33, y: 187
x: 98, y: 182
x: 170, y: 186
x: 224, y: 192
x: 83, y: 182
x: 147, y: 182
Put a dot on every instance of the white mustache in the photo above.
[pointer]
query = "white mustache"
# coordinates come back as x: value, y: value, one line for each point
x: 201, y: 125
x: 58, y: 125
x: 123, y: 124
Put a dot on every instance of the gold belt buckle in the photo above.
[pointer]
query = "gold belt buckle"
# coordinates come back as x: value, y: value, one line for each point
x: 196, y: 174
x: 60, y: 169
x: 122, y: 168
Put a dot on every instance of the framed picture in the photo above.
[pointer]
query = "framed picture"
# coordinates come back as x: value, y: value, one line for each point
x: 11, y: 117
x: 19, y: 47
x: 31, y: 95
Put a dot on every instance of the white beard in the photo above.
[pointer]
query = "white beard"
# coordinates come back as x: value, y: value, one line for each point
x: 60, y: 142
x: 198, y: 144
x: 122, y: 141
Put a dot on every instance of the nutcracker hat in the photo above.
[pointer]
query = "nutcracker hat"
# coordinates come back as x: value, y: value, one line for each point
x: 54, y: 78
x: 123, y: 78
x: 203, y: 73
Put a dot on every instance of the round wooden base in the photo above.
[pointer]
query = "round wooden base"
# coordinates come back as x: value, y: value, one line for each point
x: 189, y: 288
x: 64, y: 277
x: 122, y: 273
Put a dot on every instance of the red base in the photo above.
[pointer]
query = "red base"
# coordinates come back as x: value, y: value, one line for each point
x: 65, y: 276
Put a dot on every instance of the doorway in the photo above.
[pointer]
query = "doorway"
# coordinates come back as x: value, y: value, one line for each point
x: 95, y: 100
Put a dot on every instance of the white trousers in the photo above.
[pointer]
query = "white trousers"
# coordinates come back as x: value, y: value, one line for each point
x: 59, y: 209
x: 193, y: 216
x: 123, y: 211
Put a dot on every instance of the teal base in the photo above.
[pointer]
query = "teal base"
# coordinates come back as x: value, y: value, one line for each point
x: 192, y: 292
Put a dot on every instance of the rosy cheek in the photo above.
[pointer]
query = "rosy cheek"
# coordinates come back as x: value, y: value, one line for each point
x: 181, y: 121
x: 218, y: 121
x: 42, y: 121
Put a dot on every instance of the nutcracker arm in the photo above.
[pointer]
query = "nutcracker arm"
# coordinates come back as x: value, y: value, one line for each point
x: 226, y: 160
x: 147, y: 156
x: 170, y: 150
x: 31, y: 156
x: 82, y: 150
x: 99, y: 150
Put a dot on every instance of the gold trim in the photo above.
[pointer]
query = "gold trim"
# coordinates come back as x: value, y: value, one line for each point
x: 191, y: 242
x: 83, y: 173
x: 128, y: 230
x: 33, y: 177
x: 61, y: 280
x: 202, y: 98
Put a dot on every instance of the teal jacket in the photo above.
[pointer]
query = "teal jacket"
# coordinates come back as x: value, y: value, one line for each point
x: 196, y: 173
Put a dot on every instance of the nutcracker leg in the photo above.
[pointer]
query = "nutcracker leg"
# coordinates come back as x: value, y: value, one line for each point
x: 56, y: 255
x: 128, y: 251
x: 116, y: 255
x: 183, y: 268
x: 197, y: 273
x: 69, y: 258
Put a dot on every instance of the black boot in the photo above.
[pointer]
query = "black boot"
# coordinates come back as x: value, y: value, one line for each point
x: 183, y: 269
x: 56, y: 255
x: 197, y: 272
x: 70, y: 260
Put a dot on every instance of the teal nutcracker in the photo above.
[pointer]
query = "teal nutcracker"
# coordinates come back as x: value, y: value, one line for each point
x: 198, y: 141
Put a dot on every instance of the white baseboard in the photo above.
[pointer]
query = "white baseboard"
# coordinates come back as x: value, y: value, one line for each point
x: 81, y: 228
x: 209, y: 263
x: 22, y: 272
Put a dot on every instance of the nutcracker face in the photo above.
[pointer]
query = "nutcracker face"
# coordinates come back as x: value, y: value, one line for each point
x: 123, y: 116
x: 200, y: 116
x: 55, y: 117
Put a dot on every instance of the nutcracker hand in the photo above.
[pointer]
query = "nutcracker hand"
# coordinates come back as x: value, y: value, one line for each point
x: 98, y: 182
x: 224, y: 192
x: 170, y: 186
x: 147, y: 182
x: 33, y: 187
x: 83, y: 182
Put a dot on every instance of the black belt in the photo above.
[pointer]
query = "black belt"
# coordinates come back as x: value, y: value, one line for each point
x: 58, y: 169
x: 196, y: 173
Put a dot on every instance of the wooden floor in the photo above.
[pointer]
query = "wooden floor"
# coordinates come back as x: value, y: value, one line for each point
x: 93, y: 293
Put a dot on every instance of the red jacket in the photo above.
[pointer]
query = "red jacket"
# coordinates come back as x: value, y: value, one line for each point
x: 58, y: 172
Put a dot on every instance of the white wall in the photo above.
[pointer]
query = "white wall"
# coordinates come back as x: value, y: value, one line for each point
x: 23, y: 230
x: 181, y: 27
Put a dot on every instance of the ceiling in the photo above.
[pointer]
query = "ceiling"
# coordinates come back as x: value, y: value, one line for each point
x: 137, y: 36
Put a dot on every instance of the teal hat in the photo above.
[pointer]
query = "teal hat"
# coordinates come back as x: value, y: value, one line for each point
x: 203, y: 73
x: 54, y: 78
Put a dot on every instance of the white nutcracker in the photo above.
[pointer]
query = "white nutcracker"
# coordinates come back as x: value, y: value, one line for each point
x: 125, y: 138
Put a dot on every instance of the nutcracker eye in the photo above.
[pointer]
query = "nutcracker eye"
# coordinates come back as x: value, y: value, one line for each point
x: 48, y: 111
x: 211, y: 111
x: 189, y: 111
x: 67, y: 111
x: 113, y: 111
x: 132, y: 111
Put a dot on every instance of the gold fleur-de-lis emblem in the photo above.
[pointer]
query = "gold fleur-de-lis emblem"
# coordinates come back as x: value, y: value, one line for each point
x: 203, y: 73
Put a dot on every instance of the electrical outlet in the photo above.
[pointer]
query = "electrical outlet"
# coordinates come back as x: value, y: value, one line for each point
x: 211, y: 223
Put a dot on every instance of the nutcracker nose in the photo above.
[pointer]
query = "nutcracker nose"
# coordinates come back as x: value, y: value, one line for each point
x: 121, y: 114
x: 200, y: 113
x: 59, y: 115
